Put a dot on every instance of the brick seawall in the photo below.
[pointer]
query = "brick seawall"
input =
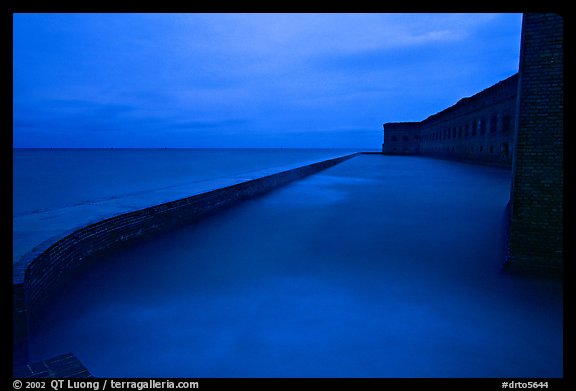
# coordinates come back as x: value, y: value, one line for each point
x: 38, y: 273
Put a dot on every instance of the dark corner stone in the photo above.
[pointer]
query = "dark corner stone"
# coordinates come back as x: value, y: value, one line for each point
x: 62, y: 366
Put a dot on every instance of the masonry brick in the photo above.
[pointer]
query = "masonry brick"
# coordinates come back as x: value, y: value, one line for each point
x: 62, y: 366
x: 536, y: 201
x: 476, y: 129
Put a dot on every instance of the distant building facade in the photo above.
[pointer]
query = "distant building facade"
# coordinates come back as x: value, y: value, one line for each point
x: 401, y: 138
x: 479, y: 128
x: 516, y: 123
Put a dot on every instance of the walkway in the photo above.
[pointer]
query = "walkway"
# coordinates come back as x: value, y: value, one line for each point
x: 380, y: 266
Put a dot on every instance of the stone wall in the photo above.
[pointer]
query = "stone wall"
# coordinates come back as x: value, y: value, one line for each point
x: 536, y: 226
x: 478, y: 128
x: 40, y: 272
x: 401, y: 138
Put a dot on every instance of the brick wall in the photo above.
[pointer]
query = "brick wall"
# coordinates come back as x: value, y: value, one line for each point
x: 476, y: 129
x: 535, y: 239
x: 401, y: 138
x: 479, y: 128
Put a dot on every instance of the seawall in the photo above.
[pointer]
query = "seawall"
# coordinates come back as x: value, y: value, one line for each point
x: 40, y: 271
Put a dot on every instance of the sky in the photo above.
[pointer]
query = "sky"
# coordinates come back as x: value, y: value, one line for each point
x: 246, y: 80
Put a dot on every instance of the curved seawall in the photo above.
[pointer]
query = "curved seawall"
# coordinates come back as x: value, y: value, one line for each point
x: 38, y: 272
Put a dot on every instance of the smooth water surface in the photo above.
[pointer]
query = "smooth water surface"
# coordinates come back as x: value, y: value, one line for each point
x: 378, y: 267
x: 54, y: 178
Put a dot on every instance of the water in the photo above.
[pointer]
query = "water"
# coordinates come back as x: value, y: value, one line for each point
x: 377, y: 267
x: 47, y: 179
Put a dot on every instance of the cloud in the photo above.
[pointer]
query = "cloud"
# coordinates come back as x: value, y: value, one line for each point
x: 196, y: 125
x: 173, y: 75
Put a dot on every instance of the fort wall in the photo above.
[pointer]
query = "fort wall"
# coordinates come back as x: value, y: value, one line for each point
x: 476, y: 129
x: 515, y: 123
x: 536, y: 226
x: 401, y: 138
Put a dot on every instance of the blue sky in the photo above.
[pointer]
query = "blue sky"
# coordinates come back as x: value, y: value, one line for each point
x: 246, y: 80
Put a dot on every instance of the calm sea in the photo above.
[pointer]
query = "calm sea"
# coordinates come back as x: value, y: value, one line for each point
x: 53, y: 178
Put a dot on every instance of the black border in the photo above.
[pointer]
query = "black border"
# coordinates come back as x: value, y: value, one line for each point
x: 8, y: 7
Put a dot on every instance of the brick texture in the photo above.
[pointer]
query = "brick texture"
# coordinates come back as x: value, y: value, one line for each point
x: 477, y: 129
x: 62, y: 366
x: 536, y: 226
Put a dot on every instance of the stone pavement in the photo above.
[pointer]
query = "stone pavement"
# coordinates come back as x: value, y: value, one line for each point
x: 63, y: 366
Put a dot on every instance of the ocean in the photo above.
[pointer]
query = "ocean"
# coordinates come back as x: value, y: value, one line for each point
x: 45, y: 179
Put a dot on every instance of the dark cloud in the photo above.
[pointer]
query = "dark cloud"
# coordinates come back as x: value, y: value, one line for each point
x: 250, y: 79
